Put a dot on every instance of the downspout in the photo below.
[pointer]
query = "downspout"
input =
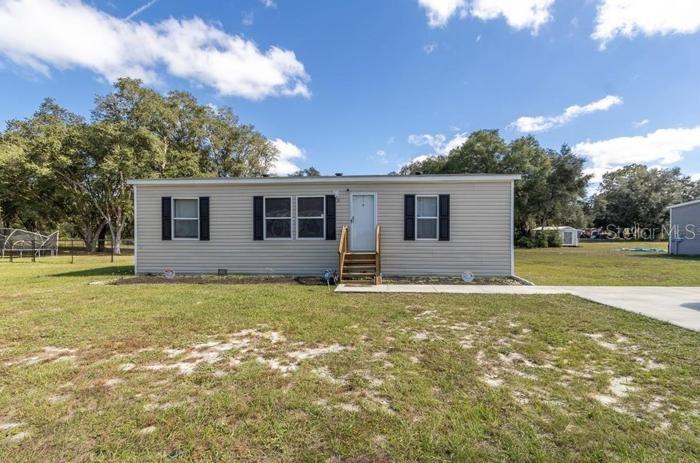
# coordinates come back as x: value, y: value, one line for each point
x: 512, y: 229
x: 136, y: 247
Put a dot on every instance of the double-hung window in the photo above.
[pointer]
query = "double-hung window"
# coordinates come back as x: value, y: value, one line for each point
x: 278, y: 218
x: 186, y: 218
x: 427, y: 217
x: 311, y: 214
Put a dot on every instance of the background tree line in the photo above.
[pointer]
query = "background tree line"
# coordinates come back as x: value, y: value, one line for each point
x: 553, y: 189
x: 60, y: 169
x: 57, y: 168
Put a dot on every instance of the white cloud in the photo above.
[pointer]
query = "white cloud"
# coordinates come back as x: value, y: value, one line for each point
x: 664, y: 147
x: 67, y: 34
x: 440, y: 11
x: 268, y: 3
x: 629, y: 18
x: 519, y: 14
x: 540, y: 123
x: 247, y: 18
x: 420, y: 158
x: 695, y: 177
x: 641, y: 123
x: 287, y: 153
x: 428, y: 48
x: 439, y: 142
x: 380, y: 157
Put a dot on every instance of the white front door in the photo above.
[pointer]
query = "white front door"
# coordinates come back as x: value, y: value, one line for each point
x: 362, y: 221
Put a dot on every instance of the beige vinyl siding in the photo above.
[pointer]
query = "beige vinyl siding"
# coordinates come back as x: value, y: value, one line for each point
x: 480, y: 231
x: 685, y: 221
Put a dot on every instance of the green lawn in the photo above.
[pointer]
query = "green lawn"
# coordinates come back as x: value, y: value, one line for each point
x: 605, y: 264
x: 289, y: 372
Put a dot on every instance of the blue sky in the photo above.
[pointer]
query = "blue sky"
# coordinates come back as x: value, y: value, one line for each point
x: 365, y: 86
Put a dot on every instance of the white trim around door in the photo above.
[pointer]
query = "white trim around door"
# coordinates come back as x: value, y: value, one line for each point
x: 352, y: 220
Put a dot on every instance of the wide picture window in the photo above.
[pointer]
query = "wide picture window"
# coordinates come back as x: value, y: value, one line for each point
x: 278, y: 218
x: 310, y: 217
x: 426, y: 217
x: 186, y: 218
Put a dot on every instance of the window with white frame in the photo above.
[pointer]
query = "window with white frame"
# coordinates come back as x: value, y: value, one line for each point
x: 278, y: 218
x: 427, y: 217
x: 311, y: 213
x: 186, y: 218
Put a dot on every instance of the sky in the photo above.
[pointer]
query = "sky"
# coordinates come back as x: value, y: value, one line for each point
x: 363, y: 87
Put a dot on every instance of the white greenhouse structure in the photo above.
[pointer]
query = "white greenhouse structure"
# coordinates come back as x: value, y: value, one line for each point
x: 18, y: 242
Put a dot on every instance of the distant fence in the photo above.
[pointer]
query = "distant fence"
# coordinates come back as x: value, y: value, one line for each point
x: 67, y: 248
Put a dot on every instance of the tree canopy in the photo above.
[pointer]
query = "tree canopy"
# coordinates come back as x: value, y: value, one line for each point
x: 58, y: 168
x: 638, y: 195
x: 553, y: 186
x: 61, y: 169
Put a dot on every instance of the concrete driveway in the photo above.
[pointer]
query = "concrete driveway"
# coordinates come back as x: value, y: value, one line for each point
x: 677, y: 305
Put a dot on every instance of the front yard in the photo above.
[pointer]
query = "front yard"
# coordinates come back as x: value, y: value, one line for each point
x: 607, y: 264
x: 291, y: 372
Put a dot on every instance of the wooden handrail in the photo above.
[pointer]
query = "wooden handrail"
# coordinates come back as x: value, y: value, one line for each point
x: 343, y: 242
x: 378, y: 250
x: 342, y: 250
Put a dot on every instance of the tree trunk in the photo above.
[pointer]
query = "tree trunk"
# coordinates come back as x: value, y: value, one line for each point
x: 88, y: 237
x: 89, y: 240
x: 115, y: 228
x: 101, y: 235
x: 117, y: 241
x: 91, y: 236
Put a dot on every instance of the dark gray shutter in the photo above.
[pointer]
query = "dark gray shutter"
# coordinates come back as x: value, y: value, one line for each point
x: 167, y: 217
x: 409, y: 217
x: 204, y: 218
x: 444, y: 217
x: 330, y: 217
x: 257, y: 218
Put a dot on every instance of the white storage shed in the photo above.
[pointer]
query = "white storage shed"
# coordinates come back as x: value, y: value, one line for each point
x: 569, y: 235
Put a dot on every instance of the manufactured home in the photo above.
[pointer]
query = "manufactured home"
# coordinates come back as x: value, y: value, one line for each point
x: 684, y: 236
x: 391, y: 225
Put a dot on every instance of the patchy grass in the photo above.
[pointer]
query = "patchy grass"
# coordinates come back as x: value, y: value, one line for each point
x: 605, y: 264
x: 291, y: 372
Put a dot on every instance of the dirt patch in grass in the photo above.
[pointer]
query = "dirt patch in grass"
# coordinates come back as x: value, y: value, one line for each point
x: 266, y: 347
x: 47, y: 354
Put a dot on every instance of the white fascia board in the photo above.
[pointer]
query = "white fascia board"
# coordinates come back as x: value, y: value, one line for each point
x: 688, y: 203
x: 335, y: 179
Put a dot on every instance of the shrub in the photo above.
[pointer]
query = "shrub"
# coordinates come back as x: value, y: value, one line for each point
x: 554, y: 239
x: 541, y: 240
x: 525, y: 241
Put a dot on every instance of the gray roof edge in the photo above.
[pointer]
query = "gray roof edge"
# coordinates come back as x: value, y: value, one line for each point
x: 452, y: 178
